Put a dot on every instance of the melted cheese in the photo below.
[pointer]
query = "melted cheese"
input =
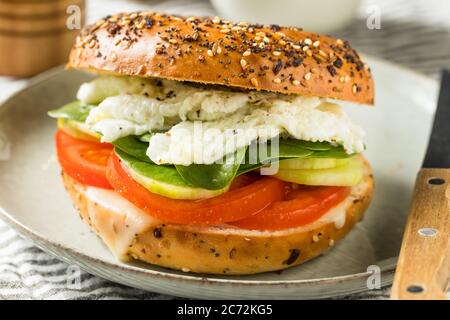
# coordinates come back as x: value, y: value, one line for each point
x: 116, y: 220
x: 336, y: 215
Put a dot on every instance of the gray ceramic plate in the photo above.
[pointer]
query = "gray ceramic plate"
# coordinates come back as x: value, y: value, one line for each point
x: 33, y: 201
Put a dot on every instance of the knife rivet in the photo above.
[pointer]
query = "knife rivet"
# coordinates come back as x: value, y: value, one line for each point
x: 436, y: 181
x: 415, y: 289
x: 428, y: 232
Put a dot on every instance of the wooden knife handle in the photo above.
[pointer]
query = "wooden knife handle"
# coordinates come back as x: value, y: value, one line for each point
x: 423, y: 267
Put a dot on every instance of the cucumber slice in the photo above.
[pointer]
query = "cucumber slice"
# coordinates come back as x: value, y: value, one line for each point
x: 312, y: 163
x: 346, y: 175
x: 164, y: 180
x: 77, y: 129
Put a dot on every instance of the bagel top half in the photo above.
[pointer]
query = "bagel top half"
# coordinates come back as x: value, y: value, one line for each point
x: 218, y: 52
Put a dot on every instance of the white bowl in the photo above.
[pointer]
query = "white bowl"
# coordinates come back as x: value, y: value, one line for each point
x: 315, y: 15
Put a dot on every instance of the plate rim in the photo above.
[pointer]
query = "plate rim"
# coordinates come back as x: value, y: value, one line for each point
x: 200, y: 278
x: 193, y: 278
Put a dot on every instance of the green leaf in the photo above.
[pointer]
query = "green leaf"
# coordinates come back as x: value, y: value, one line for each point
x: 214, y: 176
x: 265, y: 153
x: 218, y: 176
x: 291, y: 148
x: 75, y: 110
x: 165, y: 174
x: 260, y: 154
x: 316, y: 146
x: 133, y: 146
x: 245, y: 167
x: 334, y: 152
x: 291, y: 151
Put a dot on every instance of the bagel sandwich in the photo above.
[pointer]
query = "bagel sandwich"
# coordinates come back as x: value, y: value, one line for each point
x: 208, y: 146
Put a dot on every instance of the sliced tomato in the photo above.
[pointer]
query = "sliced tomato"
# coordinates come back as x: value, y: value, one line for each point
x: 230, y: 206
x: 300, y: 207
x: 244, y: 180
x: 84, y: 161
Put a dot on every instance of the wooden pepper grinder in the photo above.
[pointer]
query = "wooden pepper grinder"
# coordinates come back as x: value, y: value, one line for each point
x: 36, y: 35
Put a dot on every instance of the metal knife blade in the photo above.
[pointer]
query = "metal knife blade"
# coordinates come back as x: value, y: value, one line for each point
x: 438, y: 152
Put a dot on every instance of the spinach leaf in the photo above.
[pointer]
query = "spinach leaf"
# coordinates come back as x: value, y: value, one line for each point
x: 211, y: 177
x: 289, y: 148
x: 246, y: 167
x: 316, y: 146
x: 214, y: 176
x: 76, y: 110
x: 286, y: 150
x: 218, y: 176
x: 335, y: 152
x: 317, y: 149
x: 133, y: 146
x: 166, y: 174
x: 260, y: 154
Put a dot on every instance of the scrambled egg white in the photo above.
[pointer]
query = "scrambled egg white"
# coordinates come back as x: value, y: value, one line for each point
x: 206, y: 124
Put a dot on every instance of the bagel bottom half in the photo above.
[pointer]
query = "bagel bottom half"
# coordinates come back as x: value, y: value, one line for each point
x: 132, y: 234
